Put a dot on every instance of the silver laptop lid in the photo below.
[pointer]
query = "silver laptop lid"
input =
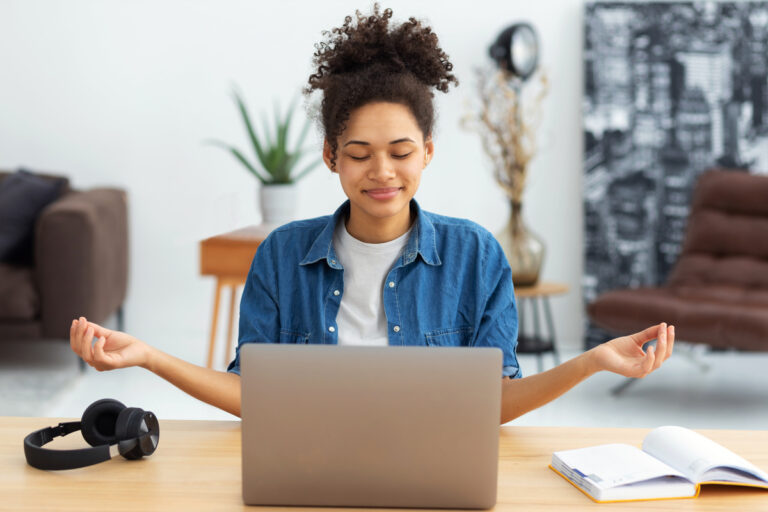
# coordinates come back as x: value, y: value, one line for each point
x: 370, y: 426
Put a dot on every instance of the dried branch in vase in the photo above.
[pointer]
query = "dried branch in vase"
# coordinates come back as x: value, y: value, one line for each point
x: 507, y: 123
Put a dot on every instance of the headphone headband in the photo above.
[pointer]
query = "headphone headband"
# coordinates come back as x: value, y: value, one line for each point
x: 44, y: 458
x: 137, y: 435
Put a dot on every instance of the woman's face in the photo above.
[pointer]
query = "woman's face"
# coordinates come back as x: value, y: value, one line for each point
x: 379, y: 160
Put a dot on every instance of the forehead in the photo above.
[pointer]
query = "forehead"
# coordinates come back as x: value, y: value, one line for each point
x: 381, y: 121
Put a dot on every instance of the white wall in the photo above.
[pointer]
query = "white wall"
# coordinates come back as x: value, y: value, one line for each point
x: 124, y: 93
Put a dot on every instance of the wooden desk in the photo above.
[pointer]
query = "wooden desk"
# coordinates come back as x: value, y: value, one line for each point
x: 228, y: 257
x: 197, y: 467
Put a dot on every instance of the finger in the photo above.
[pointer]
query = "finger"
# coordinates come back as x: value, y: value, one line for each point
x: 82, y: 333
x: 73, y: 336
x: 81, y: 326
x: 79, y: 335
x: 670, y: 340
x: 649, y: 360
x: 98, y: 330
x: 99, y: 357
x: 87, y: 346
x: 646, y: 335
x: 661, y: 346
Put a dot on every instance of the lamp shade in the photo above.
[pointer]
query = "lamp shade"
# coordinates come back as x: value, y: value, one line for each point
x: 516, y: 50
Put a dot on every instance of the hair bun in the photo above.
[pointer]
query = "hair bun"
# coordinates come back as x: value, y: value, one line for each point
x: 369, y: 43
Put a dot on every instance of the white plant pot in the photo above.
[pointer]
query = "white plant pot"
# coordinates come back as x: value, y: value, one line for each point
x: 278, y: 203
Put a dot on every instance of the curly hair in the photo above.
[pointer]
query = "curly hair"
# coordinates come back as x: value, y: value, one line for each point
x: 365, y: 60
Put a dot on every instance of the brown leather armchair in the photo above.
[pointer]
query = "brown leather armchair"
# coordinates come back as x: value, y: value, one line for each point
x: 717, y: 292
x: 80, y: 266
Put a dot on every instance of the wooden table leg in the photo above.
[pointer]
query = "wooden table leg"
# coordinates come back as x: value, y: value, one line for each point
x: 214, y: 322
x: 231, y: 322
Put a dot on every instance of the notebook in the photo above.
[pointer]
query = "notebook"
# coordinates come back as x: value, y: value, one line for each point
x: 361, y: 426
x: 674, y: 462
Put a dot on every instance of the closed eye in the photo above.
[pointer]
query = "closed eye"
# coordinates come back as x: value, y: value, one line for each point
x: 362, y: 158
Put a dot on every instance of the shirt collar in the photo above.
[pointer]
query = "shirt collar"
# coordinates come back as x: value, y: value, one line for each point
x: 422, y: 240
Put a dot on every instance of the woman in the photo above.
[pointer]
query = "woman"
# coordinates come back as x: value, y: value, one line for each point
x: 379, y: 271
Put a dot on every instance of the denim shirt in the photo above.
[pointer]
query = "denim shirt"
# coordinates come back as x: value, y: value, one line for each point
x: 451, y: 286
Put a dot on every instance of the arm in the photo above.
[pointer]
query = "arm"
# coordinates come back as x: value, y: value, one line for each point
x: 116, y: 349
x: 259, y: 322
x: 217, y: 388
x: 623, y: 355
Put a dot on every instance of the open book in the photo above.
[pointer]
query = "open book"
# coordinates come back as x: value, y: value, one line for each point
x: 673, y: 463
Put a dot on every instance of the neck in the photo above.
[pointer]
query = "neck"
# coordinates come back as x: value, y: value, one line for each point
x: 374, y: 230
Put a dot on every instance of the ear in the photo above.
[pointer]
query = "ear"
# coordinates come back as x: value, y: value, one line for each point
x: 429, y: 150
x: 327, y: 155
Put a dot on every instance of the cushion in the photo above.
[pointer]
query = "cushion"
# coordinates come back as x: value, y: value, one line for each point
x: 718, y: 316
x: 23, y: 195
x: 19, y: 299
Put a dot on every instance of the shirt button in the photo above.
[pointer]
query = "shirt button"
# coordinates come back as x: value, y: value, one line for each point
x: 391, y: 284
x: 333, y: 262
x: 332, y: 329
x: 396, y: 328
x: 336, y: 292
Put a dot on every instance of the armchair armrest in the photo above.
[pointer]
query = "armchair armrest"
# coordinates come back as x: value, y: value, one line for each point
x: 81, y: 258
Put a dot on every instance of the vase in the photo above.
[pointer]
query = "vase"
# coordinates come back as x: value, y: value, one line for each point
x: 278, y: 203
x: 523, y: 248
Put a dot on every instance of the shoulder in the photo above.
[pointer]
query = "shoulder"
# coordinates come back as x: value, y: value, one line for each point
x: 301, y: 227
x: 295, y: 236
x: 462, y: 241
x: 459, y: 229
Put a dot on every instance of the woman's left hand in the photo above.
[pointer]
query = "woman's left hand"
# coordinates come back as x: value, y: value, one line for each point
x: 625, y: 355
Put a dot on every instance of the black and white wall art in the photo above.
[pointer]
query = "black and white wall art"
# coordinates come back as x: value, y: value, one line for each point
x: 671, y: 90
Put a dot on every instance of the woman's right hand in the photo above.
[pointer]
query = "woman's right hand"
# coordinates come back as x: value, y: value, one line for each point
x: 113, y: 349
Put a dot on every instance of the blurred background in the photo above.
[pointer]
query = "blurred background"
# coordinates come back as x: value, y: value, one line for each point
x: 124, y: 94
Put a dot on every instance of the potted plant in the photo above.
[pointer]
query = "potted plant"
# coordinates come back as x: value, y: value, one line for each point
x: 276, y: 163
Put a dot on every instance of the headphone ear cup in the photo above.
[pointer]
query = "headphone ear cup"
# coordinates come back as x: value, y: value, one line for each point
x: 128, y: 427
x: 99, y: 421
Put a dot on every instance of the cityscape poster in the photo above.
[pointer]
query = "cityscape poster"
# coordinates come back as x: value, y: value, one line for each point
x: 671, y: 90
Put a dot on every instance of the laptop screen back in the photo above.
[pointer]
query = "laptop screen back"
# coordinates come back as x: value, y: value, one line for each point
x: 370, y: 426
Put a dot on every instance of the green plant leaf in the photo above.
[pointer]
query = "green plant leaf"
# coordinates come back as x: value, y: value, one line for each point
x: 280, y: 133
x: 239, y: 156
x: 303, y: 135
x: 269, y: 141
x: 247, y: 120
x: 272, y: 146
x: 301, y: 151
x: 303, y: 172
x: 273, y: 162
x: 284, y: 128
x: 281, y: 163
x: 291, y: 159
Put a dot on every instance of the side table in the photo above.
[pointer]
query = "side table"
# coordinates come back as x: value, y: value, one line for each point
x: 535, y: 342
x: 228, y: 257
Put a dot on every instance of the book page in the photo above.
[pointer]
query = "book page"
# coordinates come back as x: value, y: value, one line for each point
x: 611, y: 465
x: 694, y: 455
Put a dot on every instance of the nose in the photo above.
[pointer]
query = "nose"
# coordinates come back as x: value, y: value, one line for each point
x: 382, y: 169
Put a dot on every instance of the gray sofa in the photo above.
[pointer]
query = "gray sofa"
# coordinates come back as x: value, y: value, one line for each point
x: 80, y: 266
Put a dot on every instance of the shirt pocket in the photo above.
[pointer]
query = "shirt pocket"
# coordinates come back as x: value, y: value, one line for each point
x: 295, y: 337
x: 450, y: 337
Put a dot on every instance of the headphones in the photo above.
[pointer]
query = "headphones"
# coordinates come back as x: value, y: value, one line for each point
x: 108, y: 426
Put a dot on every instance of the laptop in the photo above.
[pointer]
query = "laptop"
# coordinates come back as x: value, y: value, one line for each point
x: 327, y: 425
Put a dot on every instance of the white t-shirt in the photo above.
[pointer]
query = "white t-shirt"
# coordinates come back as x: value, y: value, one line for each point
x: 361, y: 319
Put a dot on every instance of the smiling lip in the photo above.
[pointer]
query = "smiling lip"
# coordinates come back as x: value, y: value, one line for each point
x: 383, y: 194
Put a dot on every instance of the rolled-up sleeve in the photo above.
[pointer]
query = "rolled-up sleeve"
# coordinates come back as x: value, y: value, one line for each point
x: 498, y: 324
x: 259, y: 311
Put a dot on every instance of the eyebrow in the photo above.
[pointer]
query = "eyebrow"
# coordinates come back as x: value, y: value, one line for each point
x: 363, y: 143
